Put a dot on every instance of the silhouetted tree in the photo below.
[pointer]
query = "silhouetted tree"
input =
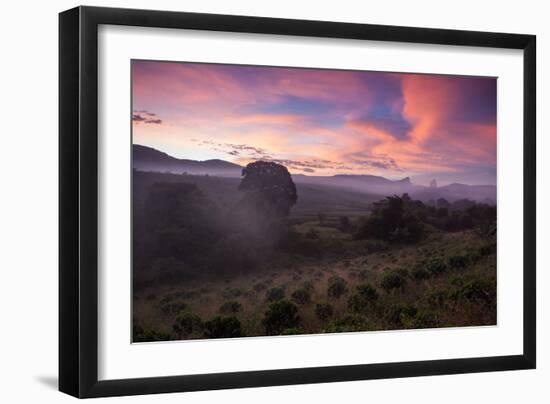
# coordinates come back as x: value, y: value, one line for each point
x: 269, y: 185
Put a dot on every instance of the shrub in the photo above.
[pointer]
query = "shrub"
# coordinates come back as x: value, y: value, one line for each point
x: 423, y: 319
x: 458, y: 261
x: 230, y: 307
x: 364, y: 299
x: 349, y: 323
x: 487, y: 249
x: 436, y: 266
x: 223, y: 327
x: 477, y: 290
x: 398, y: 314
x: 292, y: 331
x: 187, y: 323
x: 337, y: 286
x: 142, y: 334
x: 280, y: 316
x: 324, y: 311
x: 393, y: 281
x: 363, y: 274
x: 420, y: 273
x: 301, y: 296
x: 171, y: 307
x: 275, y: 294
x: 439, y: 298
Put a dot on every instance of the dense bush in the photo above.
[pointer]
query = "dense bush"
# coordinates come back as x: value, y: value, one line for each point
x: 169, y: 306
x: 423, y: 319
x: 436, y: 266
x: 301, y: 296
x: 398, y: 314
x: 337, y: 286
x: 393, y: 281
x: 420, y: 273
x: 144, y: 334
x: 222, y: 327
x: 280, y: 316
x: 230, y: 307
x: 458, y: 261
x: 348, y: 323
x: 439, y: 298
x: 479, y: 290
x: 186, y: 324
x: 487, y: 249
x: 364, y: 299
x: 401, y: 219
x: 275, y: 294
x: 324, y: 311
x: 394, y: 219
x: 293, y: 331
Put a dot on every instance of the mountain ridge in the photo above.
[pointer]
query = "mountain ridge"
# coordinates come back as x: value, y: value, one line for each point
x: 146, y: 158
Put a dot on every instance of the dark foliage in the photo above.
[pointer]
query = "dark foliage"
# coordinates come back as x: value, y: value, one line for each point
x: 230, y: 307
x: 394, y: 219
x: 275, y: 294
x: 324, y: 311
x: 364, y: 299
x: 349, y: 323
x: 223, y: 327
x: 144, y: 334
x: 458, y: 261
x: 301, y: 296
x: 393, y: 281
x: 398, y: 314
x: 186, y: 324
x: 337, y: 286
x: 401, y: 219
x: 420, y: 273
x: 269, y: 184
x: 280, y: 316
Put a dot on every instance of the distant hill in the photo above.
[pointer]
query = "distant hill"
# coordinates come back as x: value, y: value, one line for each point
x: 148, y: 159
x: 362, y: 183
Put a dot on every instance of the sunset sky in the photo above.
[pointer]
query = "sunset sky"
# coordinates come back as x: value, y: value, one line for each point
x: 320, y: 122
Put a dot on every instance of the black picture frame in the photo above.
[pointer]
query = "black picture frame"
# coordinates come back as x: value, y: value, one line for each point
x: 78, y: 201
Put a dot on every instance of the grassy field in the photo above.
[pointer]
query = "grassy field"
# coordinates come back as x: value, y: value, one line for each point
x: 335, y: 283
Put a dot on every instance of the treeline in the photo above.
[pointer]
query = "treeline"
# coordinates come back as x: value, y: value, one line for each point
x: 402, y: 219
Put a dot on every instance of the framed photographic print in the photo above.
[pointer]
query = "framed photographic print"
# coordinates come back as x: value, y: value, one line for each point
x: 251, y: 201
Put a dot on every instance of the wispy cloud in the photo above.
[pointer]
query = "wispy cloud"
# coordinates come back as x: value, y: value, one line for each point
x: 145, y: 117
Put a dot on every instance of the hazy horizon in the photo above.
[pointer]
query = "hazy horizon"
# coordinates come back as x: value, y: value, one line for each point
x: 320, y: 122
x: 414, y: 180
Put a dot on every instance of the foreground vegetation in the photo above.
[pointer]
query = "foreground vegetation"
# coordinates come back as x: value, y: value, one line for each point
x: 233, y: 266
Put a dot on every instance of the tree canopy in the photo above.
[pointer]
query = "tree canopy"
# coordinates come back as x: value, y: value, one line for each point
x: 269, y: 185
